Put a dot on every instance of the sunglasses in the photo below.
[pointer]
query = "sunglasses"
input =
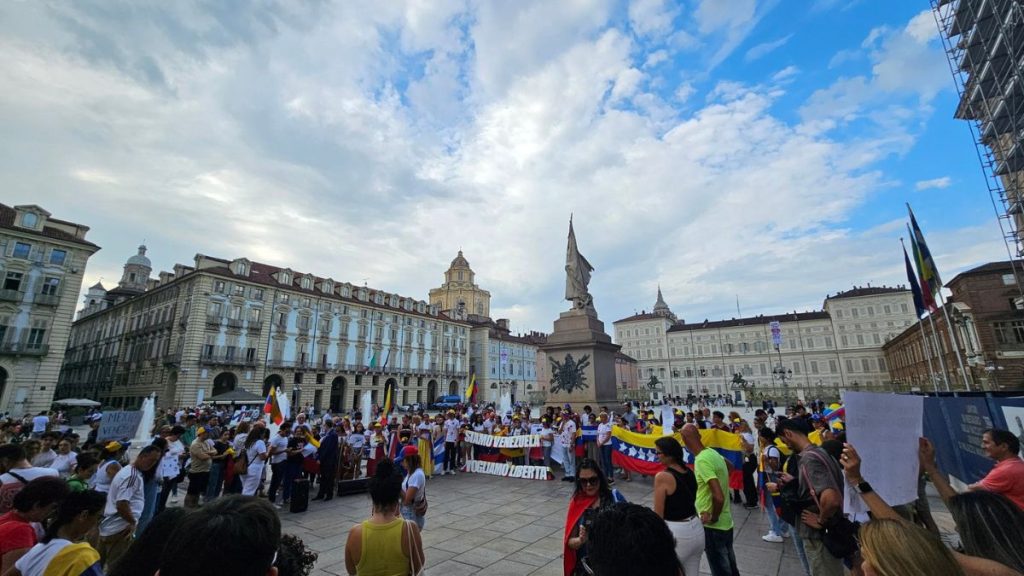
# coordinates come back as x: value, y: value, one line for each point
x: 592, y: 481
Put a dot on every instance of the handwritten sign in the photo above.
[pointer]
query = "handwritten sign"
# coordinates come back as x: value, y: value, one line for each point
x: 884, y: 429
x: 119, y: 425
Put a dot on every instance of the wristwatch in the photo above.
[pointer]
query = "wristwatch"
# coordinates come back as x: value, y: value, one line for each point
x: 863, y: 488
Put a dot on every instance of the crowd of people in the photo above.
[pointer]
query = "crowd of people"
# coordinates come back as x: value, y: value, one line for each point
x: 85, y: 507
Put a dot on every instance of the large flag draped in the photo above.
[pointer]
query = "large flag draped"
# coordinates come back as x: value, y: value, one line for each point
x: 915, y: 288
x: 389, y: 394
x: 638, y: 453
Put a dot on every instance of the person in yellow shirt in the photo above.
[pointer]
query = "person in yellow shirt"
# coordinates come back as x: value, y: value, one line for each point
x: 385, y: 544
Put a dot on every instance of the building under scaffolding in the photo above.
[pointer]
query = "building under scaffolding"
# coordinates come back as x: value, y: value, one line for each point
x: 984, y: 40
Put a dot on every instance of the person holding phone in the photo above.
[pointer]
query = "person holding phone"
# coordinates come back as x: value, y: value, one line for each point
x: 592, y: 492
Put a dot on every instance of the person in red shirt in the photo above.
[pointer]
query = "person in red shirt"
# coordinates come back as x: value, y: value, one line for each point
x: 1006, y: 477
x: 34, y: 503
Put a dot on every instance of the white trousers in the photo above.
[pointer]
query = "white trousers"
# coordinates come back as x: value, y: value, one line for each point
x: 689, y: 543
x: 251, y: 479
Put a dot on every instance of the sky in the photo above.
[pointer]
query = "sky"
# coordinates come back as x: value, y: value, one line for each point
x: 751, y: 150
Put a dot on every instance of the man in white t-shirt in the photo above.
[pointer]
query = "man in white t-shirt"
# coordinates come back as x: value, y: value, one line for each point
x: 451, y: 440
x: 567, y: 435
x: 125, y: 501
x: 604, y: 445
x: 170, y: 464
x: 278, y: 459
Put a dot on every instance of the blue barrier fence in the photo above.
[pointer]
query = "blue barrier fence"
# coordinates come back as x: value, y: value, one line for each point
x: 956, y: 423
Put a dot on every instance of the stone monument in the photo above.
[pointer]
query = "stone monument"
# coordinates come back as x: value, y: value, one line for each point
x: 581, y: 355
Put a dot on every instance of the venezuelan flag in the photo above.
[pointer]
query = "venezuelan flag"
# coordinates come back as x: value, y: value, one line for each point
x: 272, y: 407
x: 638, y: 453
x: 439, y: 453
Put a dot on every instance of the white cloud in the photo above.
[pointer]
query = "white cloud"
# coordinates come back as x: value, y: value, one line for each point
x: 934, y: 183
x: 786, y: 74
x: 651, y: 17
x: 373, y: 143
x: 763, y: 49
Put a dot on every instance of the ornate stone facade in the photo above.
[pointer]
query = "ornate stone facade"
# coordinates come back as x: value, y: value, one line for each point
x: 459, y: 295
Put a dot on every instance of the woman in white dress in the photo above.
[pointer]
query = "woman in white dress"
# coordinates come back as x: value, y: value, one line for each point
x: 256, y: 454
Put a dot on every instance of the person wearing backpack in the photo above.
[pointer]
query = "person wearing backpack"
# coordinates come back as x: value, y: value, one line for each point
x: 820, y: 486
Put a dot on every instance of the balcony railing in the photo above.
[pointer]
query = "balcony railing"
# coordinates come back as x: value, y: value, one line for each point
x: 227, y: 360
x: 23, y: 349
x: 213, y: 320
x: 47, y: 299
x: 255, y: 325
x: 234, y: 323
x: 11, y: 295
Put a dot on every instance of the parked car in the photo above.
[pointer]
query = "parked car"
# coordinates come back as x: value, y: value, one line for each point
x: 446, y: 402
x: 414, y: 407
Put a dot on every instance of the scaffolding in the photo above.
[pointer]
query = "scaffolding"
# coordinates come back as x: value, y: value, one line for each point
x: 984, y: 43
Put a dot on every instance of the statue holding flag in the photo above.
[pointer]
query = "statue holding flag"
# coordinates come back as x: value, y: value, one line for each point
x: 577, y: 275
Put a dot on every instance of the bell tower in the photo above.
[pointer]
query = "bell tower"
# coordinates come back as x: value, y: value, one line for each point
x: 459, y: 296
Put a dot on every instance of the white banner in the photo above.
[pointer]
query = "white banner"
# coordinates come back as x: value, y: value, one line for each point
x: 508, y: 470
x: 488, y: 441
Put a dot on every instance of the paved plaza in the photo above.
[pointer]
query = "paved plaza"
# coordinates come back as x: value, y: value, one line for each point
x: 479, y: 524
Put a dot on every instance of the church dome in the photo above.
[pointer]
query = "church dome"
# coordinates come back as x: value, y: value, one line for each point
x: 140, y: 258
x: 460, y: 261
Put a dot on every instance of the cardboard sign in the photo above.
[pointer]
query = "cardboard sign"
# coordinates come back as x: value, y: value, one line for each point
x: 119, y: 425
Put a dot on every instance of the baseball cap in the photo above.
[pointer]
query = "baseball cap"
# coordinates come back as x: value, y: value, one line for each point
x: 410, y: 451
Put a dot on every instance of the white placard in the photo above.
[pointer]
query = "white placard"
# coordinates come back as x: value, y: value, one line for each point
x: 488, y: 441
x: 668, y: 417
x: 508, y: 470
x: 119, y: 425
x: 884, y: 428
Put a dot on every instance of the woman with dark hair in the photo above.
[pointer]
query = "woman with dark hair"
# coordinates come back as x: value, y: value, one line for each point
x: 256, y: 455
x: 61, y: 550
x: 414, y: 487
x: 770, y: 466
x: 675, y: 500
x: 592, y: 492
x: 990, y: 526
x: 85, y: 468
x: 143, y: 556
x: 34, y: 503
x: 385, y: 543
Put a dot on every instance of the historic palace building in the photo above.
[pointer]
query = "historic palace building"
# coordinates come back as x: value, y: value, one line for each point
x: 220, y: 326
x: 806, y: 355
x: 42, y: 263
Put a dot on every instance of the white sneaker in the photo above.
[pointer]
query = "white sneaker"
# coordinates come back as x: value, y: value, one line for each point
x: 786, y: 535
x: 772, y: 537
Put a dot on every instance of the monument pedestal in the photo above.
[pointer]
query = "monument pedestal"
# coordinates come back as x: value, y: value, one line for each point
x: 579, y: 336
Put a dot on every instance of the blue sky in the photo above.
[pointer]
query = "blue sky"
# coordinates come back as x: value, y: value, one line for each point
x: 719, y: 148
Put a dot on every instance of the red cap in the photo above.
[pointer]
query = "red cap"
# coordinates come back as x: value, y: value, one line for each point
x: 410, y: 451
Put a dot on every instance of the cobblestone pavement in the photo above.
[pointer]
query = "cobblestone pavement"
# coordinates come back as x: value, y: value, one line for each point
x: 501, y: 526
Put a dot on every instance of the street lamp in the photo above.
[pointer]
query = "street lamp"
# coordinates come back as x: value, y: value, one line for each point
x: 785, y: 375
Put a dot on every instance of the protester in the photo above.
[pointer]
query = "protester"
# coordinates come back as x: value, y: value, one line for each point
x: 170, y: 467
x: 592, y: 492
x: 750, y: 453
x: 126, y: 500
x: 567, y: 436
x: 18, y: 472
x: 414, y: 487
x: 64, y: 459
x: 1006, y: 477
x: 716, y: 515
x: 110, y: 465
x: 451, y: 438
x: 604, y: 446
x: 143, y: 556
x: 231, y: 536
x: 386, y: 543
x: 256, y: 455
x: 820, y: 483
x: 328, y: 454
x: 62, y: 549
x: 278, y: 458
x: 675, y: 500
x: 770, y: 464
x: 895, y: 548
x: 85, y: 468
x: 201, y: 453
x: 630, y: 540
x: 36, y: 501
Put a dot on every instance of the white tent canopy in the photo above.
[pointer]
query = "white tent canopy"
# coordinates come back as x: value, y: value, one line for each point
x: 77, y: 402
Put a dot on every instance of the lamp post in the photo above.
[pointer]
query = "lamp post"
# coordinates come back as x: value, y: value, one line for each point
x: 784, y: 375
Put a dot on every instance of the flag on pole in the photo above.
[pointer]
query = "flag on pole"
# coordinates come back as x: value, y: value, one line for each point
x: 272, y: 407
x: 471, y: 389
x: 373, y: 362
x: 925, y: 265
x: 927, y: 296
x: 389, y: 392
x: 915, y: 288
